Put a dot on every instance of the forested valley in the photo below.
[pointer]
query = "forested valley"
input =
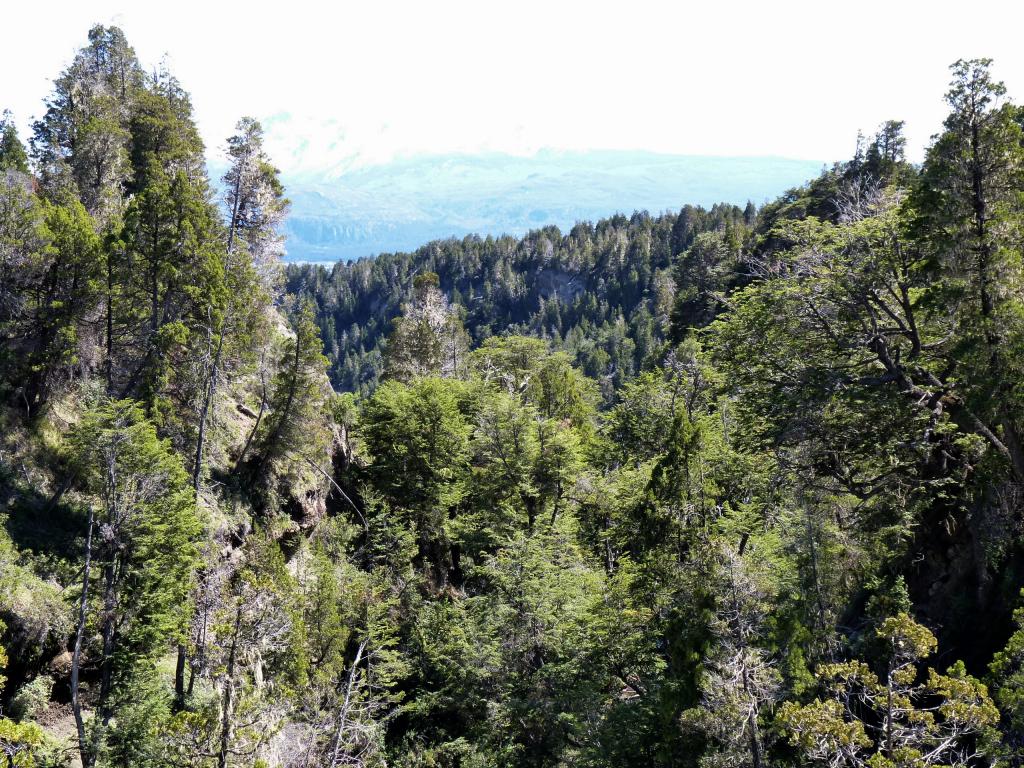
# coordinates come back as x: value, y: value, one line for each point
x: 738, y: 487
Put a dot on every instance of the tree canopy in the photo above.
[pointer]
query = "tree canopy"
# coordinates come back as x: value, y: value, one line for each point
x: 734, y: 486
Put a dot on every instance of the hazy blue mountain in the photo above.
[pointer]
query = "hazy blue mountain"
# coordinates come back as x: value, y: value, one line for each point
x: 403, y: 204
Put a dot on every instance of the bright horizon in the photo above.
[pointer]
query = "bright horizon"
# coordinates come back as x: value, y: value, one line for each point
x: 362, y: 84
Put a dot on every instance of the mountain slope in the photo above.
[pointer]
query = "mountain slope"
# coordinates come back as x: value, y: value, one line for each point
x: 403, y: 204
x: 604, y: 291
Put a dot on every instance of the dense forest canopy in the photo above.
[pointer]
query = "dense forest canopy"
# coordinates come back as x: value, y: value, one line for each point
x: 605, y: 292
x: 726, y: 487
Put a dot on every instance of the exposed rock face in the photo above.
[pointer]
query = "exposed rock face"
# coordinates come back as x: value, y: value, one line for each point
x: 956, y: 556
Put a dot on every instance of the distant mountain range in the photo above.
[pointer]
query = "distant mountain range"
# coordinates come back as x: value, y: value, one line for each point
x: 405, y: 203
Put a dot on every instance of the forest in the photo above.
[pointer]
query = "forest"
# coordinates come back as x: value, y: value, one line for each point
x: 604, y: 292
x: 727, y: 488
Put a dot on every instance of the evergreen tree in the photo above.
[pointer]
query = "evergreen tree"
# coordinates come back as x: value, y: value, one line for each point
x: 888, y: 718
x: 81, y: 142
x: 139, y: 555
x: 255, y: 200
x: 428, y: 339
x: 418, y: 438
x: 291, y: 427
x: 970, y: 217
x: 12, y: 152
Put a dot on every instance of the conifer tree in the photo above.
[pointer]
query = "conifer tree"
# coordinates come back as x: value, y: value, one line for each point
x: 971, y: 216
x: 138, y: 558
x: 286, y: 442
x: 12, y: 152
x: 81, y: 142
x: 256, y: 205
x: 166, y: 273
x: 428, y: 339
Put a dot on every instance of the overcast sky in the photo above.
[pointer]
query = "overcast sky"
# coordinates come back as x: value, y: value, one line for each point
x: 341, y: 83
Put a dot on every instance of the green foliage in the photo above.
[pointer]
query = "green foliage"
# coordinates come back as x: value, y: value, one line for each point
x: 295, y: 428
x: 418, y: 438
x: 12, y: 152
x: 601, y: 292
x: 141, y: 544
x: 32, y: 698
x: 702, y: 274
x: 538, y: 599
x: 147, y: 513
x: 19, y: 741
x: 662, y: 490
x: 428, y: 339
x: 81, y: 143
x: 969, y: 216
x: 940, y: 721
x: 53, y: 289
x: 1007, y: 675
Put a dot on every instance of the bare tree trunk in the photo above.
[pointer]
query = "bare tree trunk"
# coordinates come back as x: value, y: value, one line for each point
x: 756, y: 751
x: 110, y: 327
x: 179, y: 679
x: 227, y: 703
x: 211, y: 386
x: 106, y: 660
x: 200, y: 654
x: 346, y: 704
x: 76, y: 658
x: 813, y: 550
x: 889, y: 711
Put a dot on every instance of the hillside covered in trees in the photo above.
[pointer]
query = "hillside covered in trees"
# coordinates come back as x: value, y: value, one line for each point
x: 718, y: 488
x: 605, y: 292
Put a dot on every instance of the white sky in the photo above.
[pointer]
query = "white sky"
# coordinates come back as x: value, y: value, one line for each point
x: 341, y: 83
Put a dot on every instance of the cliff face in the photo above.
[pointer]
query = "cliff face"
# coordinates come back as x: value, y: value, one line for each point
x: 963, y: 573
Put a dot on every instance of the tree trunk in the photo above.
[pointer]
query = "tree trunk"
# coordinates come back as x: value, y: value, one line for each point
x: 110, y: 327
x: 259, y: 416
x: 108, y: 627
x: 756, y: 751
x: 343, y: 713
x: 888, y: 712
x: 531, y: 511
x: 211, y: 392
x: 179, y: 679
x: 285, y: 413
x: 84, y: 749
x: 227, y: 702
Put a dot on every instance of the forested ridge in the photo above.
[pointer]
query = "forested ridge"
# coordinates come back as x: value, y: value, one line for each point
x: 604, y: 292
x: 727, y: 487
